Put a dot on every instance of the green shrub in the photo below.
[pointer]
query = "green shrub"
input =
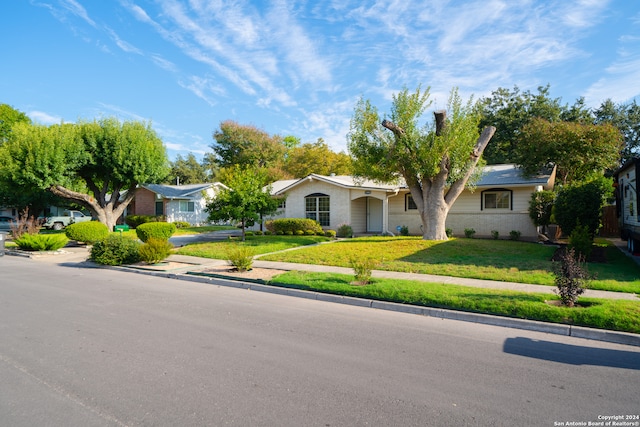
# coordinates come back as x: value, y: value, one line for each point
x: 581, y: 204
x: 268, y: 233
x: 469, y: 233
x: 570, y: 277
x: 310, y: 232
x: 159, y: 230
x: 299, y: 233
x: 449, y: 232
x: 87, y: 232
x: 181, y: 224
x: 258, y: 233
x: 41, y: 242
x: 495, y: 234
x: 293, y: 225
x: 514, y: 235
x: 330, y: 233
x: 241, y: 257
x: 134, y: 221
x: 155, y: 250
x: 248, y: 233
x: 116, y: 249
x: 288, y: 233
x: 280, y: 233
x: 362, y: 269
x: 404, y: 230
x: 580, y: 240
x: 344, y: 230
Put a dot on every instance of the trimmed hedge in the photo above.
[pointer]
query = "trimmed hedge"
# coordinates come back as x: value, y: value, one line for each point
x: 157, y: 230
x: 116, y: 250
x: 134, y: 221
x: 284, y: 225
x: 87, y: 232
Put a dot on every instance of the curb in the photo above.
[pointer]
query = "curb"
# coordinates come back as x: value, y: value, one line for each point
x: 625, y: 338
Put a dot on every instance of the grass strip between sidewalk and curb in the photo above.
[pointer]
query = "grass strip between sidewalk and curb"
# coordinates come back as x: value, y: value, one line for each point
x: 615, y: 315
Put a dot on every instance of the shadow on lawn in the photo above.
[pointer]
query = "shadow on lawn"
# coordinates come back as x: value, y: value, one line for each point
x: 523, y: 256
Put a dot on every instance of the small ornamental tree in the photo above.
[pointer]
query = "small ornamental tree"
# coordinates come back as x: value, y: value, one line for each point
x: 246, y: 199
x: 571, y: 278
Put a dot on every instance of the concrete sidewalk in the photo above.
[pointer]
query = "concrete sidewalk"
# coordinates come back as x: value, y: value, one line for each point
x: 80, y: 254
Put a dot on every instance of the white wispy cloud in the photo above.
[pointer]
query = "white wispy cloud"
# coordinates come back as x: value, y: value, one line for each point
x: 44, y: 118
x: 78, y: 10
x: 124, y: 45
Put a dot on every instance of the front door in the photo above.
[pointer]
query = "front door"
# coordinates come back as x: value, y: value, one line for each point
x: 374, y: 215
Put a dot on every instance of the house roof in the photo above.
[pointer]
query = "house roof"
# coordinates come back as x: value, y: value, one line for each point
x: 507, y: 175
x: 280, y: 187
x: 180, y: 191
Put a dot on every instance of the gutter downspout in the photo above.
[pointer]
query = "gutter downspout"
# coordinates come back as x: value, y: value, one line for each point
x: 385, y: 211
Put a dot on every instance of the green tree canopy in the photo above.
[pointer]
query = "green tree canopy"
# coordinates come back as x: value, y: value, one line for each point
x: 246, y: 200
x: 510, y: 110
x: 8, y: 117
x: 435, y: 159
x: 625, y: 117
x: 578, y: 150
x: 246, y: 145
x: 96, y: 164
x: 318, y: 158
x: 188, y: 171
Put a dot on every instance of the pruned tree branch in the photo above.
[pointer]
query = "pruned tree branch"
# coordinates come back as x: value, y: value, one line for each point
x: 397, y: 130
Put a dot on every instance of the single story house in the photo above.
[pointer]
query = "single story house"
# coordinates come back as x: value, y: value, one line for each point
x: 174, y: 202
x: 499, y: 201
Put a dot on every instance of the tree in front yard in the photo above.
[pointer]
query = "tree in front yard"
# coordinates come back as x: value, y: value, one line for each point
x: 94, y: 164
x: 246, y: 199
x: 436, y: 160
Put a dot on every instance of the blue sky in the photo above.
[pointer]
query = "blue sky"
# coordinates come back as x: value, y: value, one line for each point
x: 298, y: 67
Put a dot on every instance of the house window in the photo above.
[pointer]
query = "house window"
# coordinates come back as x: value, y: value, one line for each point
x: 496, y: 199
x: 282, y: 204
x: 409, y: 203
x: 316, y: 207
x: 186, y: 206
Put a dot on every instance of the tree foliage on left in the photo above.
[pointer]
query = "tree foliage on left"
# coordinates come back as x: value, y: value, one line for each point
x: 95, y: 164
x: 246, y: 199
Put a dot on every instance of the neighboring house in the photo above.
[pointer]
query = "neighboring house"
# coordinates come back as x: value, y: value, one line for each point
x: 627, y: 197
x: 8, y: 211
x: 499, y: 201
x: 174, y: 202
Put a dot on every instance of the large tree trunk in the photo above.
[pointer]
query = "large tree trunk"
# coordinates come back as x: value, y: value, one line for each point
x: 107, y: 212
x: 431, y: 195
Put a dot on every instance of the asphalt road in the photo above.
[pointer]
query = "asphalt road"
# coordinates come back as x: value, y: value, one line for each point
x: 95, y: 347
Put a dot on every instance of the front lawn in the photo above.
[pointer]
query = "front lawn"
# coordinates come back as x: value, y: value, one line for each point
x: 501, y: 260
x: 259, y: 244
x: 620, y: 315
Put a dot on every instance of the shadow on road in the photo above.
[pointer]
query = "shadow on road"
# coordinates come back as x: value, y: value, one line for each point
x: 572, y: 354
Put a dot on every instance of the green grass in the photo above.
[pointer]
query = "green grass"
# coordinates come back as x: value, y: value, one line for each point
x: 501, y: 260
x: 203, y: 229
x: 259, y: 244
x: 617, y: 315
